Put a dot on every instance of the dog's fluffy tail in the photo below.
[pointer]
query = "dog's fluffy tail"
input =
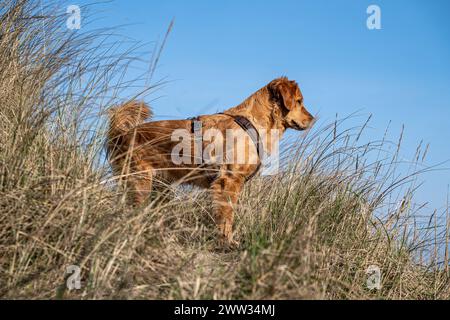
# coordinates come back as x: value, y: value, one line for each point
x: 127, y: 116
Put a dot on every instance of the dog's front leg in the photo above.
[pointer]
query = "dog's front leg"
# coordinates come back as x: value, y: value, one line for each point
x: 225, y: 192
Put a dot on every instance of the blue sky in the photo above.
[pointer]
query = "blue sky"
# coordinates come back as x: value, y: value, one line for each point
x: 219, y: 52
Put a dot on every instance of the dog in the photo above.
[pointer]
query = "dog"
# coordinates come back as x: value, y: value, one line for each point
x: 142, y: 151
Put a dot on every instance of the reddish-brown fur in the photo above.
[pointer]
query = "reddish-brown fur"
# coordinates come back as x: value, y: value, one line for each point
x: 140, y: 151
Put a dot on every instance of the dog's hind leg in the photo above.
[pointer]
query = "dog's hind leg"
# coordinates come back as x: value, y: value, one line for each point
x: 140, y: 183
x: 225, y: 191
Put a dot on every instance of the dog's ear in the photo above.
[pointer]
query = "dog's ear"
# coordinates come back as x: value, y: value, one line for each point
x: 284, y: 90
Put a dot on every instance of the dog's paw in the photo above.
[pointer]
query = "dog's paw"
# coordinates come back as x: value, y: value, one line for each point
x: 224, y: 244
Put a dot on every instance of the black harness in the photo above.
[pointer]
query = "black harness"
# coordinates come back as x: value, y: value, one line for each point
x: 250, y: 129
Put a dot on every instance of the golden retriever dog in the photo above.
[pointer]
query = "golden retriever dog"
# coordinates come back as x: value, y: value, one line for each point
x: 143, y: 152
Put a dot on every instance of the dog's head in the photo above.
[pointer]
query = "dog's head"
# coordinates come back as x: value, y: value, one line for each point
x: 289, y: 100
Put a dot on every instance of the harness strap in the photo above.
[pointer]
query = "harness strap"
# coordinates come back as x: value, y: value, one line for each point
x: 250, y: 129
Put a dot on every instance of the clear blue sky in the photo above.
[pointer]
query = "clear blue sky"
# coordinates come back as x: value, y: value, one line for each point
x: 221, y: 51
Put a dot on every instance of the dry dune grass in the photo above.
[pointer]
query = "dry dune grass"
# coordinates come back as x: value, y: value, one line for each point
x: 309, y: 232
